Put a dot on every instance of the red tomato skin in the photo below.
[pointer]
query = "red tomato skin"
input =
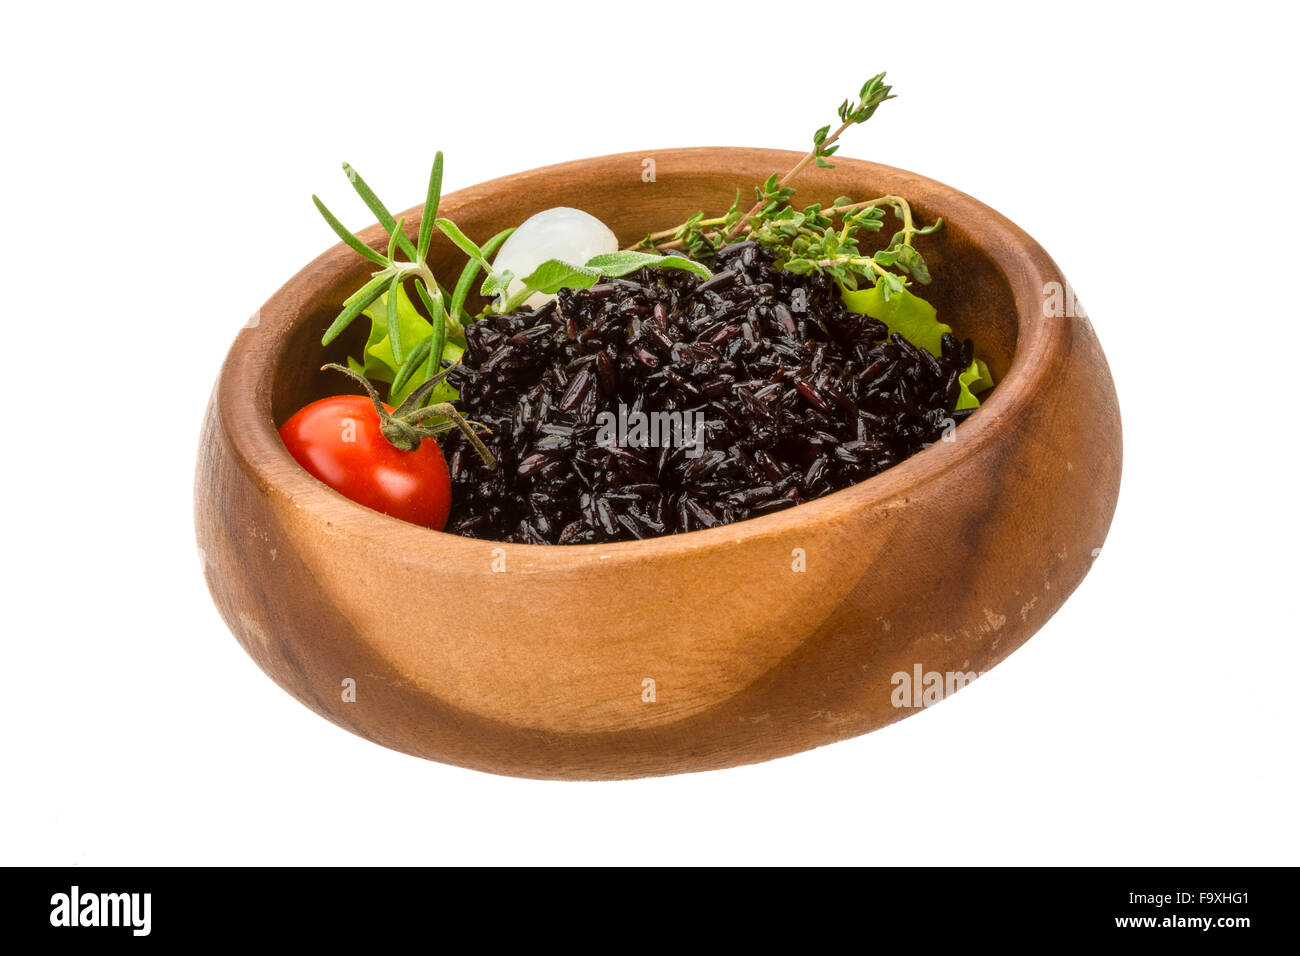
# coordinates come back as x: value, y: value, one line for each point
x: 339, y: 442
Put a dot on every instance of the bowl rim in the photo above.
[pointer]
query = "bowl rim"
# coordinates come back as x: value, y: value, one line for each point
x: 244, y: 403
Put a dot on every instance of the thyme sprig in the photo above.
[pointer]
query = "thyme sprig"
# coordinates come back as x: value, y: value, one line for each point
x: 874, y: 92
x: 815, y: 239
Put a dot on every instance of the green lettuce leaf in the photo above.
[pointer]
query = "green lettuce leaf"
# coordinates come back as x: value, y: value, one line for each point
x: 379, y: 364
x: 909, y: 315
x: 974, y: 380
x: 917, y: 321
x: 378, y: 352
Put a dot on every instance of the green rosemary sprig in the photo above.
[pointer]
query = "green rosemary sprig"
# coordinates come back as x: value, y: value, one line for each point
x: 393, y: 272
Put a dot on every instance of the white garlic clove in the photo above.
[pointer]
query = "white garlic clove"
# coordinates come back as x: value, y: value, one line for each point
x: 570, y: 235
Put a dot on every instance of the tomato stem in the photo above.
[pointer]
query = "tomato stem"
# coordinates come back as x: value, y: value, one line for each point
x: 407, y: 426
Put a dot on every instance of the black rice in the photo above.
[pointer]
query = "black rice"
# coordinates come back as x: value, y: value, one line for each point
x: 799, y: 397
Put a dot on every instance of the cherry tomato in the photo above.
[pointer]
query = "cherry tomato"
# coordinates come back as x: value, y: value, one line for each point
x: 338, y: 440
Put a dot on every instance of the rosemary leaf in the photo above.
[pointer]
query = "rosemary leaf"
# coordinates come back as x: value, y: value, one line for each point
x: 359, y: 302
x: 430, y: 208
x: 407, y: 369
x: 378, y: 208
x: 457, y: 308
x: 342, y: 232
x: 394, y: 325
x: 462, y: 241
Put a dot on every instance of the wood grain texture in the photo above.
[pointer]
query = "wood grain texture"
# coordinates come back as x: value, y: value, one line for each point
x: 949, y: 560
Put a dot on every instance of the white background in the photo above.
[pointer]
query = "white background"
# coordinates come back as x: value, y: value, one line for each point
x: 157, y: 169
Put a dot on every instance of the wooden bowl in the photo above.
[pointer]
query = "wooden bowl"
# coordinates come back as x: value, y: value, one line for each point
x: 693, y: 651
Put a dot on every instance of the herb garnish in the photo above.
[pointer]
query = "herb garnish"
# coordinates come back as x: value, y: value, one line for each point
x: 407, y: 350
x: 388, y: 281
x: 814, y: 239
